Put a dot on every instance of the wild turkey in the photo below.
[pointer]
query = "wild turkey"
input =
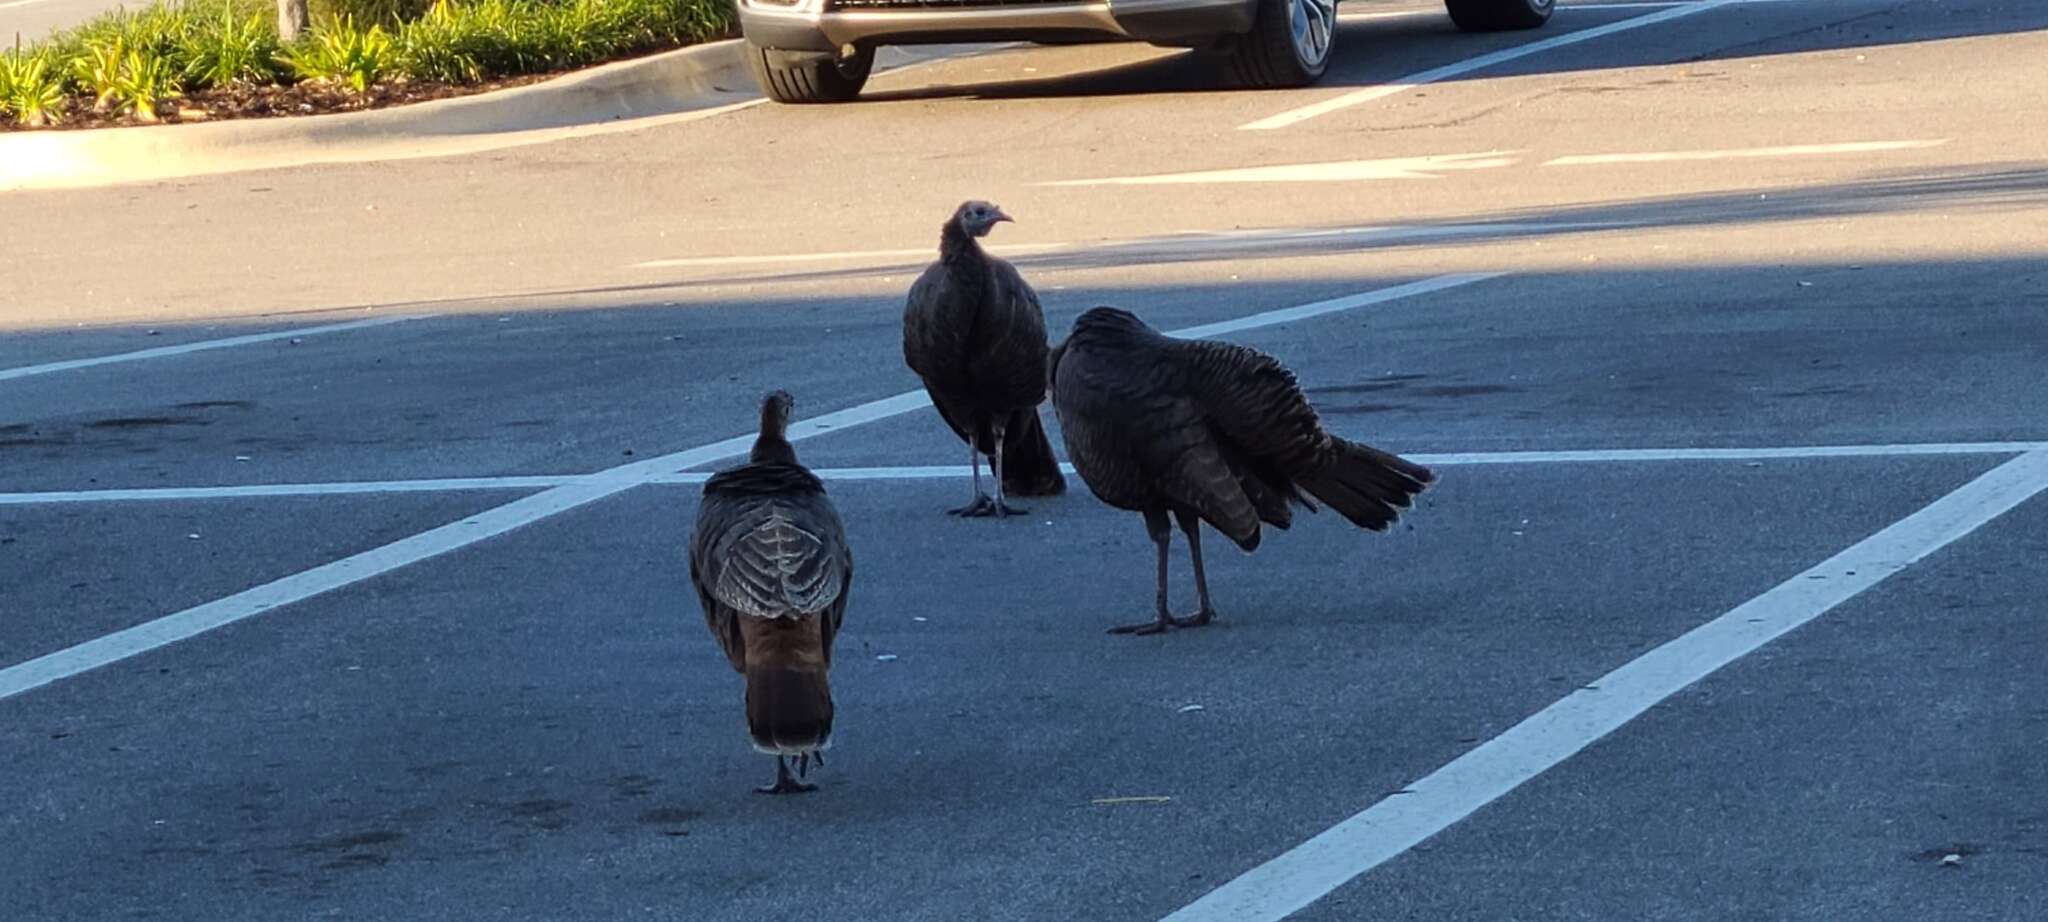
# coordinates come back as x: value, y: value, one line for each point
x: 1209, y: 432
x: 973, y: 331
x: 771, y: 567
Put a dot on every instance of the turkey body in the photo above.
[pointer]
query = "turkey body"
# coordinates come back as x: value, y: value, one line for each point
x: 772, y: 570
x: 974, y: 333
x: 1207, y: 431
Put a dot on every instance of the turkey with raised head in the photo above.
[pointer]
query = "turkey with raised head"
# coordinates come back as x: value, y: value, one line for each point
x: 974, y: 333
x: 1207, y: 431
x: 769, y: 560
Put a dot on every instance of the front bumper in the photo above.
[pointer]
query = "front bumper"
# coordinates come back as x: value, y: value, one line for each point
x: 828, y: 25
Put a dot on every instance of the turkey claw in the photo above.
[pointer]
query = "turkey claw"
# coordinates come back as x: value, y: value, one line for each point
x: 984, y: 507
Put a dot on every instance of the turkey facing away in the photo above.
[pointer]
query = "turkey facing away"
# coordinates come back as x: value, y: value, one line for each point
x: 973, y: 331
x: 769, y: 560
x: 1207, y: 432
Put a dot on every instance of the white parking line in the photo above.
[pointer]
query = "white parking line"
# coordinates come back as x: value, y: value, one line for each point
x: 1185, y: 242
x: 25, y: 371
x: 945, y: 471
x: 1422, y: 167
x: 1304, y: 874
x: 1787, y: 150
x: 272, y: 490
x: 1468, y: 65
x: 462, y: 533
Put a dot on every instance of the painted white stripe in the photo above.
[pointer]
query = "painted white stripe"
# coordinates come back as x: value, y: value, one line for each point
x: 1434, y: 74
x: 1789, y: 150
x: 1453, y: 459
x: 1348, y: 302
x: 832, y: 256
x: 24, y: 371
x: 1300, y: 876
x: 462, y: 533
x: 1196, y: 241
x: 945, y: 471
x: 271, y: 490
x: 1423, y: 167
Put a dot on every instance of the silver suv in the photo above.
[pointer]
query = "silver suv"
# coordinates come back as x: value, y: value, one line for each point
x: 822, y: 50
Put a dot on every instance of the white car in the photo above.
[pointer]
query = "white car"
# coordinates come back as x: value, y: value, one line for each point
x: 822, y: 50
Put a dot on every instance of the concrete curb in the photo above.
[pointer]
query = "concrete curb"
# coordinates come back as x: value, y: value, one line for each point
x: 623, y: 95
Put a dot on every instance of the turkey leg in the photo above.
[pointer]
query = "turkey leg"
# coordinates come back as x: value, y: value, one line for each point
x: 981, y: 504
x: 1162, y: 537
x: 995, y: 465
x: 784, y: 783
x: 1191, y: 526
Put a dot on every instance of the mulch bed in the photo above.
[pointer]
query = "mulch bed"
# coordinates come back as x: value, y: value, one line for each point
x: 222, y: 103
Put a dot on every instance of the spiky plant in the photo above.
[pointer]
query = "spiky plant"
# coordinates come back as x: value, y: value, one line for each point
x: 35, y: 90
x: 98, y: 68
x: 341, y: 53
x: 231, y: 49
x: 146, y: 82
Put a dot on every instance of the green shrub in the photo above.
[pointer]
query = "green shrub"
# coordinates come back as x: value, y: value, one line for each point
x: 341, y: 52
x: 446, y: 44
x: 147, y: 80
x: 230, y: 47
x: 387, y: 13
x: 97, y: 68
x: 35, y: 86
x: 138, y: 60
x: 155, y: 29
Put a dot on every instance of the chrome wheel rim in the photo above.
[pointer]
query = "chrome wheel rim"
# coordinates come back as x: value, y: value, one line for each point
x: 1311, y: 21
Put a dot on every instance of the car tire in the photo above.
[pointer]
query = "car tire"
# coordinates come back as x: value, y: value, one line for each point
x: 808, y: 76
x: 1499, y: 15
x: 1289, y: 44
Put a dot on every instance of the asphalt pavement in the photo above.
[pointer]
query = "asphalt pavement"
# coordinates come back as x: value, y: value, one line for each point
x: 1723, y: 331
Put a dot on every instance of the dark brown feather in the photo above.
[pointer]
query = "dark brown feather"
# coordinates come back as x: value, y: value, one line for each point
x: 1217, y: 429
x: 974, y: 333
x: 770, y: 563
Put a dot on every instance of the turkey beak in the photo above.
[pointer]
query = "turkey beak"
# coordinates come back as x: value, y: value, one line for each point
x: 1001, y: 217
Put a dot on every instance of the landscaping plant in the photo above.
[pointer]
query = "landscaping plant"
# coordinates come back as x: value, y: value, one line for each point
x: 135, y: 62
x: 231, y: 48
x: 147, y: 80
x: 35, y: 90
x: 342, y: 53
x: 98, y: 69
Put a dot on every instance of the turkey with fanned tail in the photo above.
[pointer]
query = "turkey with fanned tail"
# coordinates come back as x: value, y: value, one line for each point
x: 771, y: 567
x: 975, y: 334
x: 1207, y: 431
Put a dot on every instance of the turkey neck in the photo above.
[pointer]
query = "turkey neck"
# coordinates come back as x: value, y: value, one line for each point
x: 773, y: 442
x: 960, y: 252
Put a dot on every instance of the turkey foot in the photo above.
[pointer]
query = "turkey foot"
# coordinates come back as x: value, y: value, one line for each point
x: 984, y: 507
x: 1164, y: 621
x: 784, y: 784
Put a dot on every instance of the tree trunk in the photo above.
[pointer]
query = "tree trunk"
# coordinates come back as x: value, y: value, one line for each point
x: 291, y: 19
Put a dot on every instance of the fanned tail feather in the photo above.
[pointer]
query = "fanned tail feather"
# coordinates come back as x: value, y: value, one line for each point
x: 789, y: 711
x: 1368, y: 486
x: 1029, y: 466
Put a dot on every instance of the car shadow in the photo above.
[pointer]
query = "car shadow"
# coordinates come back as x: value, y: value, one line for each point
x: 1382, y: 50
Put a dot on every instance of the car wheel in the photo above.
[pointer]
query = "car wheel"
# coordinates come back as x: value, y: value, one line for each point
x: 1498, y: 15
x: 1289, y: 44
x: 809, y: 76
